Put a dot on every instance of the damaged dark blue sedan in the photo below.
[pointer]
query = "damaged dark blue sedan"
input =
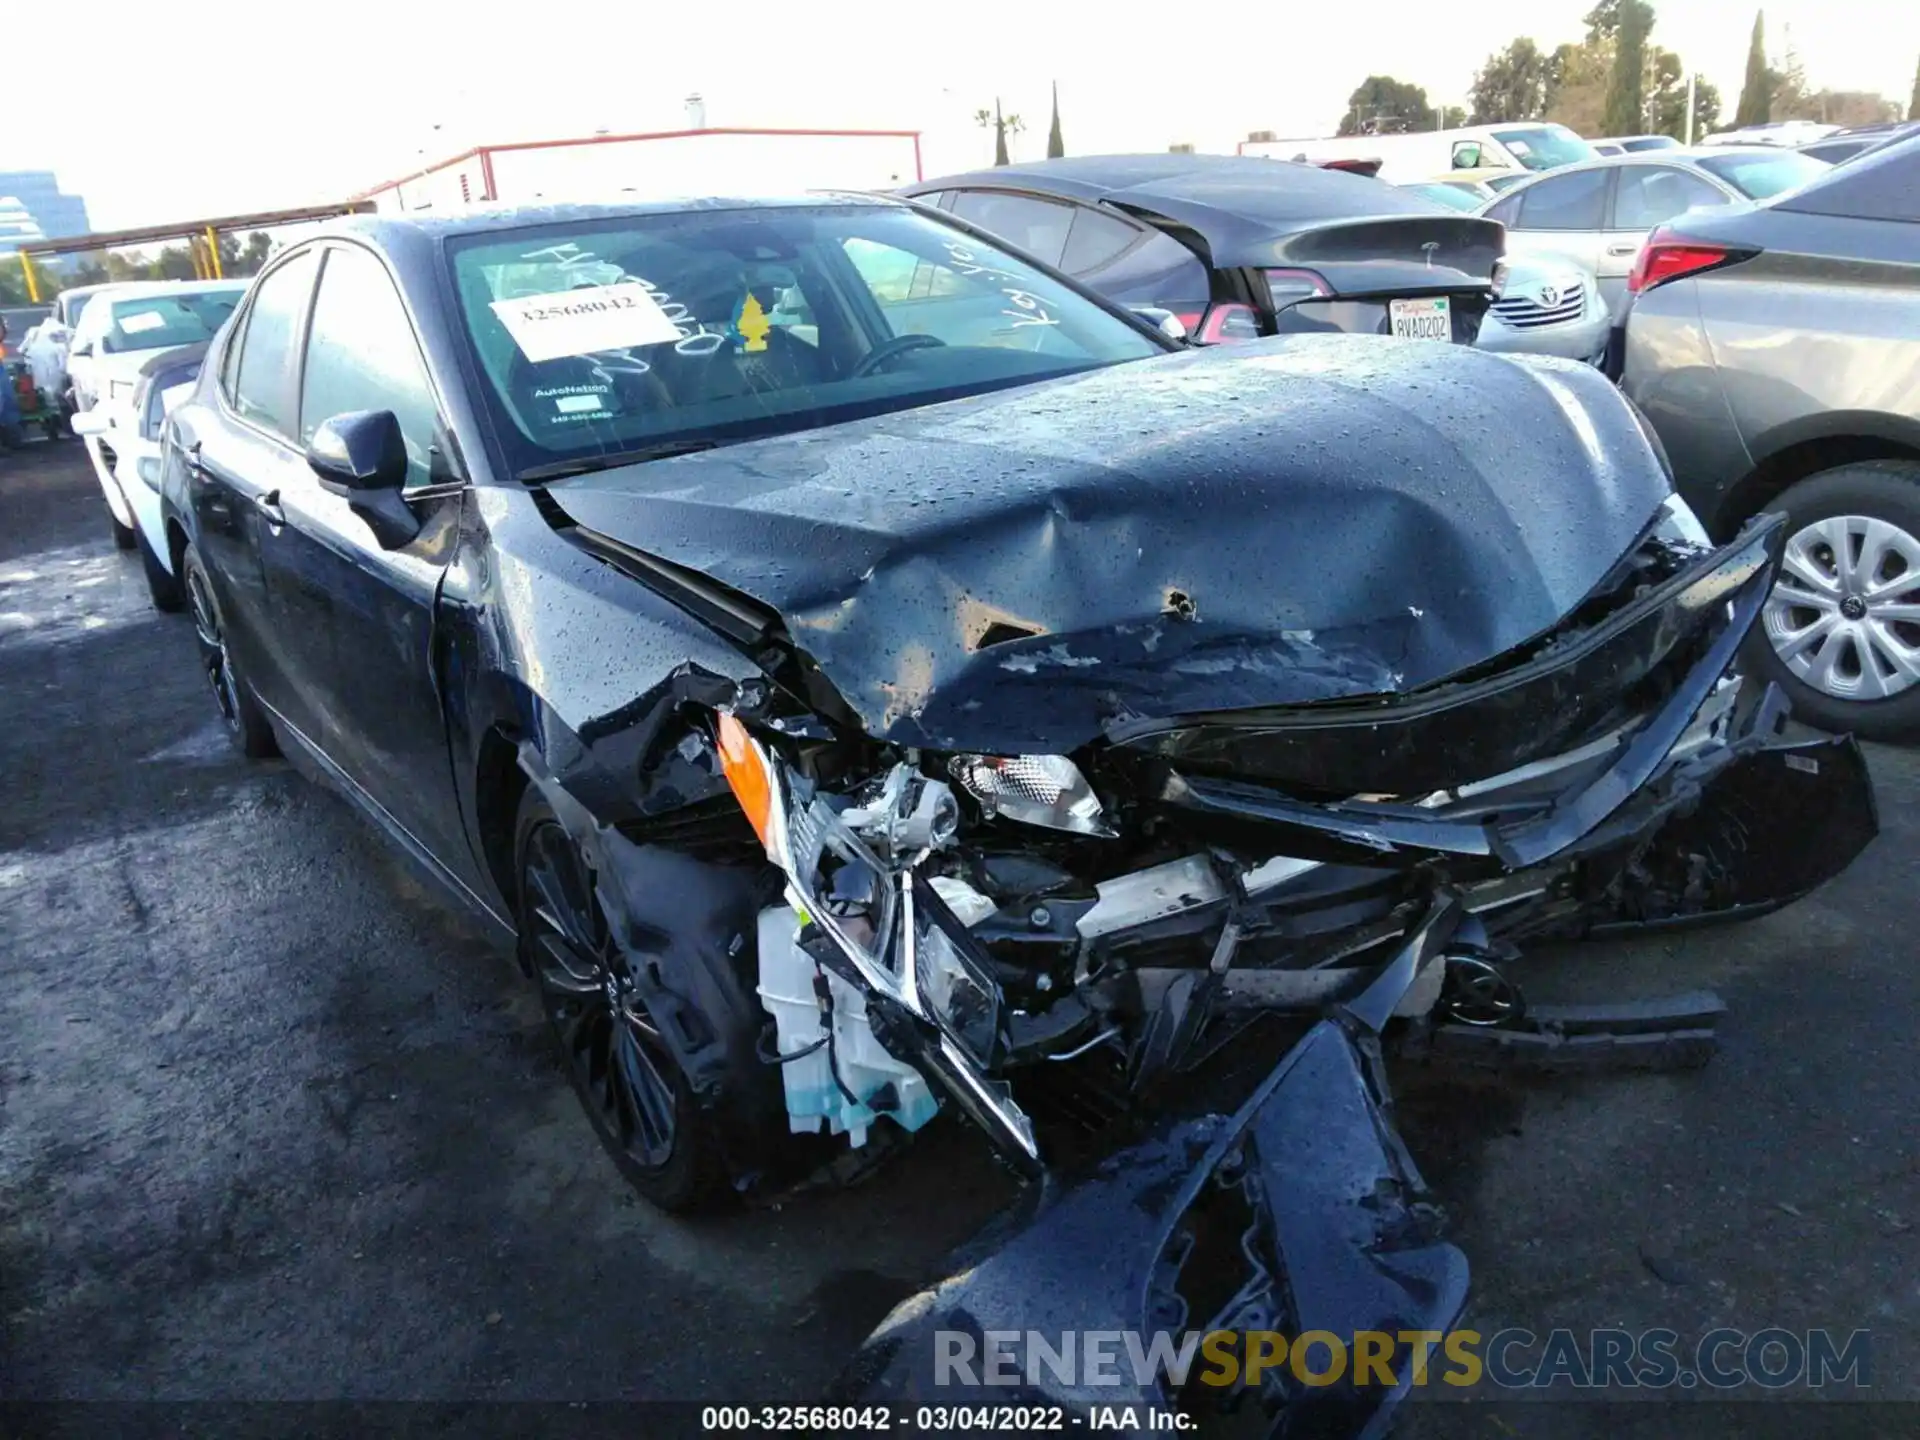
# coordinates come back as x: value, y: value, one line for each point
x: 864, y: 674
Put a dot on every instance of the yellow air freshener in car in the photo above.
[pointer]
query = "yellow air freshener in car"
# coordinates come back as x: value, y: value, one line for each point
x: 750, y: 323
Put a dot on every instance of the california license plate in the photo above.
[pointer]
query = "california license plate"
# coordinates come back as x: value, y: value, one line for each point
x: 1421, y: 319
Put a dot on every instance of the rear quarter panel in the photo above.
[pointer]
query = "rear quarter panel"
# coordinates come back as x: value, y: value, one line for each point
x: 1825, y: 322
x: 1670, y: 374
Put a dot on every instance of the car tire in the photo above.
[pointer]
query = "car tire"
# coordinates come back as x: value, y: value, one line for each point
x: 167, y: 596
x: 246, y: 722
x: 1826, y: 666
x: 124, y: 536
x: 607, y: 1046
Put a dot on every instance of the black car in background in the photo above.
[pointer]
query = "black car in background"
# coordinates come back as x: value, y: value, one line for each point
x: 1238, y: 246
x: 862, y: 673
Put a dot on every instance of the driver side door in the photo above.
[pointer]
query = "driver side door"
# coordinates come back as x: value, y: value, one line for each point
x: 359, y: 615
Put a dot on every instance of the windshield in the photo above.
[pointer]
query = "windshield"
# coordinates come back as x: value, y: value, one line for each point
x: 160, y: 322
x: 1758, y: 176
x: 607, y: 336
x: 1649, y: 142
x: 1546, y: 147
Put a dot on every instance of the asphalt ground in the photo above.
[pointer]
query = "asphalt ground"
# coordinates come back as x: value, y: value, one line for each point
x: 276, y: 1124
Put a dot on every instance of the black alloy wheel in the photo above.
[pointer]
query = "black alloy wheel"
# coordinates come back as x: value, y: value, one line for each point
x: 621, y: 1067
x: 247, y: 724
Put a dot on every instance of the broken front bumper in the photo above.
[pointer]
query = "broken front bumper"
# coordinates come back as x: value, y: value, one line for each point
x: 1300, y: 1212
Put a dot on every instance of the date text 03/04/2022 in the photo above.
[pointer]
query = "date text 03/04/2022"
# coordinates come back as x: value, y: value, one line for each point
x: 938, y: 1419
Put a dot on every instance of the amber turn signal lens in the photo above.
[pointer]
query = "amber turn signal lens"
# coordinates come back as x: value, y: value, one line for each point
x: 746, y: 772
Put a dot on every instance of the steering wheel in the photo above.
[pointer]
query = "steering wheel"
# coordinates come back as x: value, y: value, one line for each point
x: 887, y: 349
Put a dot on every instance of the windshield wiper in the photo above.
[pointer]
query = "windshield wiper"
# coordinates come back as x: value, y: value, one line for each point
x: 586, y: 464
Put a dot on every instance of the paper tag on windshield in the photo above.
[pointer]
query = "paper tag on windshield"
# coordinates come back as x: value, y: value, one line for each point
x: 144, y: 320
x: 585, y: 321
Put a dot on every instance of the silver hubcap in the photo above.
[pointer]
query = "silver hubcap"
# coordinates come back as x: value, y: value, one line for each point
x: 1845, y: 613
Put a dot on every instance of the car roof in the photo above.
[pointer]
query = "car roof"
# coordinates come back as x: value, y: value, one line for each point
x: 1684, y: 158
x: 1226, y: 198
x: 416, y: 233
x: 140, y: 289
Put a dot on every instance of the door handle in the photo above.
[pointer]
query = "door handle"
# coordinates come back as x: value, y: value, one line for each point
x: 269, y: 507
x: 1623, y: 249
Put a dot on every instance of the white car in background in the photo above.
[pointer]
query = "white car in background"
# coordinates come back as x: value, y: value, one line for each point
x: 166, y: 377
x: 1600, y: 213
x: 1550, y: 305
x: 119, y: 331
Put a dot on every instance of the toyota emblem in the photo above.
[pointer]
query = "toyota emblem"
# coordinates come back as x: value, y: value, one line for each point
x: 1549, y: 296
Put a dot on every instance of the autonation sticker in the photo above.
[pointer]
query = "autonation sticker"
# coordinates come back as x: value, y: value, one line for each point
x: 585, y: 321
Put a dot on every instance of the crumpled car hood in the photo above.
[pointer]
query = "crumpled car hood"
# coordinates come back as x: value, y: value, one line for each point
x: 1277, y: 523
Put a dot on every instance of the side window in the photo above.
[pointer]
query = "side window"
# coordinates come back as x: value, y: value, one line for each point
x: 939, y: 199
x: 1037, y: 226
x: 270, y: 349
x: 362, y: 355
x: 1095, y: 239
x: 1564, y: 202
x: 1160, y: 271
x: 1650, y: 195
x: 1507, y: 212
x: 230, y: 359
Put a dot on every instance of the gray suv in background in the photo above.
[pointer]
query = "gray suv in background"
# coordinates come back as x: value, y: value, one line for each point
x: 1775, y: 348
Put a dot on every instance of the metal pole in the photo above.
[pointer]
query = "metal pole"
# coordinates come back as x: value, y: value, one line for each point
x: 213, y: 253
x: 33, y: 284
x: 1692, y: 78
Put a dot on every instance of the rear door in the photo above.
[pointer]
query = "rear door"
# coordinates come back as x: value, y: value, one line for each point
x: 239, y: 457
x: 1644, y: 196
x: 358, y: 618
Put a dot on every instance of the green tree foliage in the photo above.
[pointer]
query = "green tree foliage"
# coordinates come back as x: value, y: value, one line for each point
x: 1056, y: 147
x: 1756, y: 95
x: 1514, y: 84
x: 1382, y: 105
x: 1004, y: 127
x: 1913, y: 105
x: 1632, y: 20
x: 1577, y: 97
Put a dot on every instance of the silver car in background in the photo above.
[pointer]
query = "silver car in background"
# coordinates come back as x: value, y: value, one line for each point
x: 1775, y: 349
x: 1600, y: 212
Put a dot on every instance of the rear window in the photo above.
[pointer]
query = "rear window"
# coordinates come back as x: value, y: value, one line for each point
x: 1761, y: 176
x: 1882, y: 186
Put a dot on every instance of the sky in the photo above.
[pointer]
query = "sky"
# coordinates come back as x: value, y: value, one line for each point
x: 311, y: 109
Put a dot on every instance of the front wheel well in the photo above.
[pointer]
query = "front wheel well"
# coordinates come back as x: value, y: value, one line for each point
x: 1786, y: 468
x: 176, y: 545
x: 499, y: 782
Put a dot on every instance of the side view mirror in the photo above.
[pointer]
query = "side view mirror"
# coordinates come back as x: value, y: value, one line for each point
x: 91, y: 422
x: 1165, y: 321
x: 1466, y: 157
x: 363, y: 456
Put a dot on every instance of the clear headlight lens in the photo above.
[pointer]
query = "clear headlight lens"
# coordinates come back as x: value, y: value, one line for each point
x: 1044, y: 790
x: 956, y: 992
x: 1678, y: 525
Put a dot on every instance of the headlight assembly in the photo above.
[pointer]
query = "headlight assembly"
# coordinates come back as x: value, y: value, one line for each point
x: 855, y: 873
